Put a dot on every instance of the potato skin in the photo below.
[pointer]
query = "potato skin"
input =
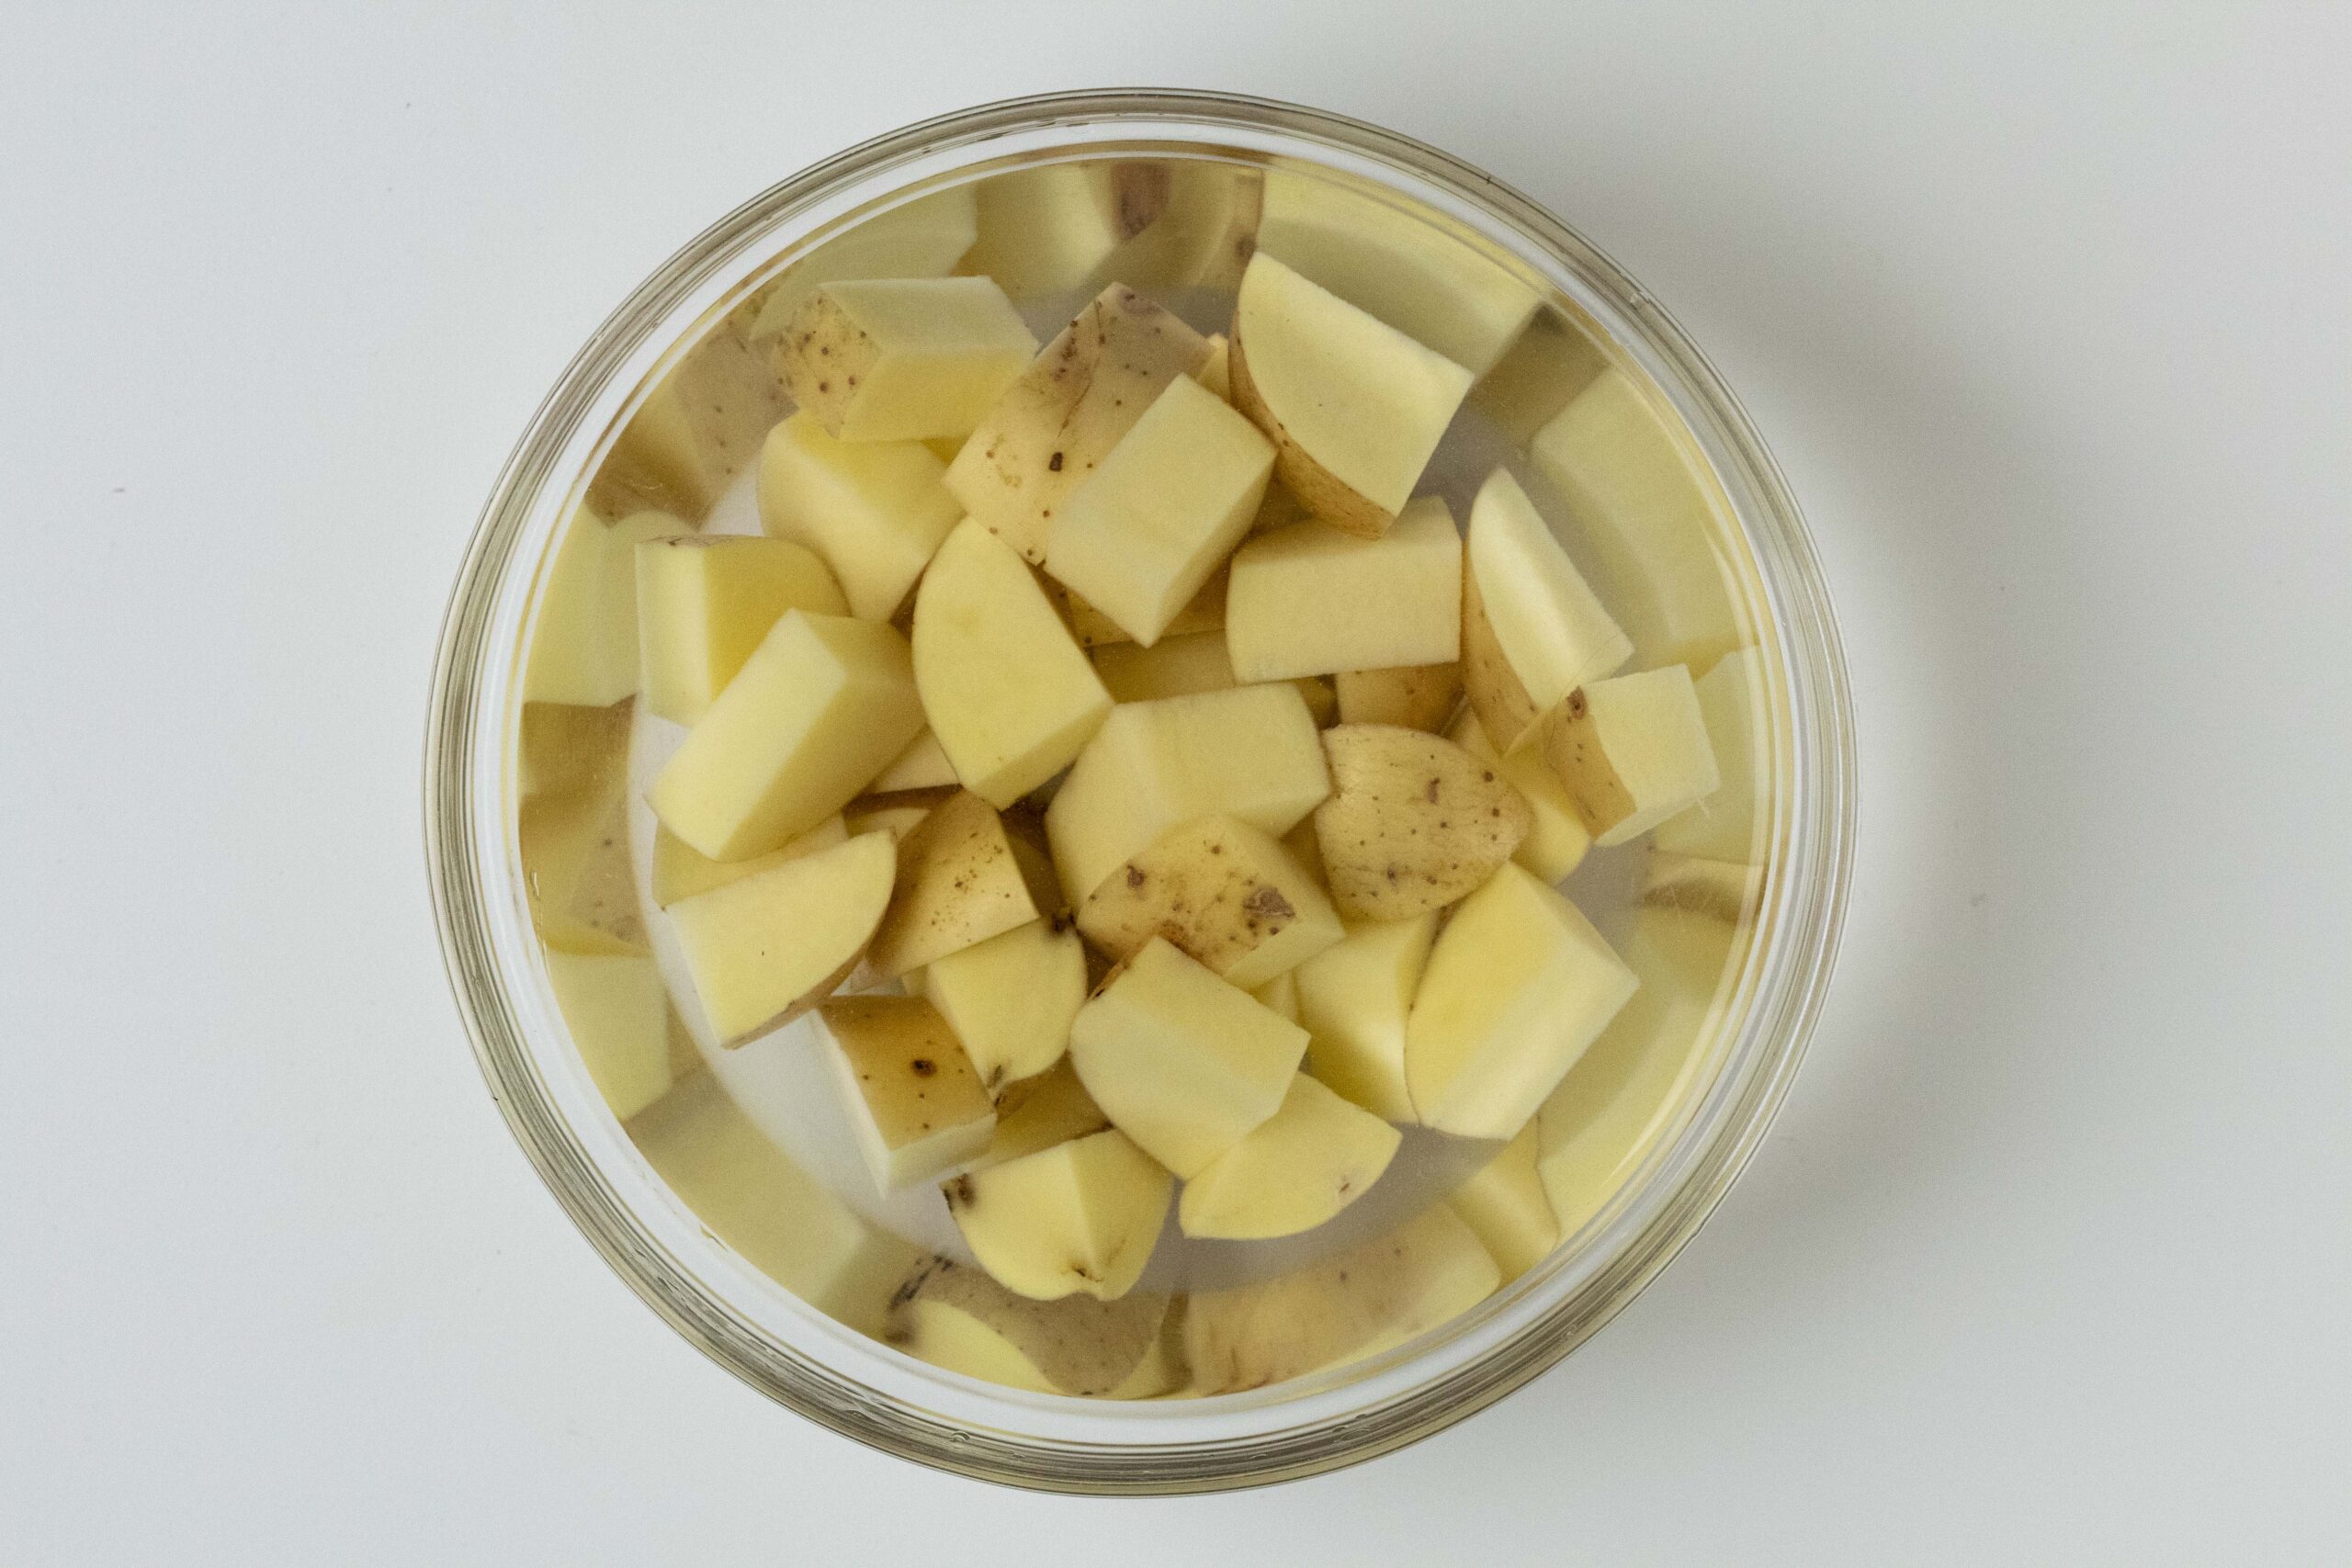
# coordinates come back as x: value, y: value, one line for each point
x: 965, y: 874
x: 1221, y: 891
x: 1497, y: 695
x: 822, y: 356
x: 1414, y: 822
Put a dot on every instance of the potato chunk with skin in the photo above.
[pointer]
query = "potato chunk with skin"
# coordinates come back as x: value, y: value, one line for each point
x: 903, y: 358
x: 1011, y: 998
x: 918, y: 1108
x: 680, y: 873
x: 1413, y: 822
x: 697, y: 430
x: 875, y: 509
x: 1411, y: 696
x: 585, y: 637
x: 961, y: 1320
x: 1518, y: 984
x: 620, y: 1018
x: 1556, y: 840
x: 576, y: 873
x: 1010, y: 697
x: 1309, y: 600
x: 1633, y: 751
x: 1181, y: 1062
x: 1353, y: 1000
x: 761, y: 950
x: 1532, y: 628
x: 1313, y: 1158
x: 704, y: 603
x: 965, y: 874
x: 1054, y: 425
x: 1143, y: 533
x: 816, y: 710
x: 1080, y: 1217
x: 1503, y: 1200
x: 1224, y: 892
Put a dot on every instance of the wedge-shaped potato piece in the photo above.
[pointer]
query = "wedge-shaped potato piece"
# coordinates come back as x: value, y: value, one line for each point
x: 767, y: 948
x: 1173, y: 667
x: 914, y: 1101
x: 1728, y: 889
x: 619, y: 1018
x: 576, y: 873
x: 706, y: 600
x: 960, y: 1320
x: 681, y: 873
x: 1370, y: 1298
x: 583, y: 636
x: 1092, y: 628
x: 1181, y: 1062
x: 1556, y: 840
x: 923, y: 238
x: 923, y: 765
x: 1252, y: 753
x: 1353, y: 1000
x: 965, y: 874
x: 820, y: 707
x: 1504, y: 1202
x: 1518, y: 984
x: 1399, y: 264
x: 765, y: 1209
x: 1078, y: 1218
x: 1038, y: 1113
x: 1011, y: 998
x: 1010, y: 696
x: 1413, y: 823
x: 1532, y: 628
x: 1050, y: 229
x: 1632, y: 750
x: 1353, y: 406
x: 1552, y: 362
x: 1145, y: 531
x: 1224, y: 892
x: 1310, y: 1159
x: 1650, y: 514
x: 875, y: 509
x: 1726, y: 825
x: 1054, y: 426
x: 903, y: 358
x: 560, y: 747
x: 696, y: 431
x: 1411, y: 696
x: 1309, y: 600
x: 1281, y: 994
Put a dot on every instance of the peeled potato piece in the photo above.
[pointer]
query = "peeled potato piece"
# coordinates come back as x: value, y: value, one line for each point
x: 1313, y: 1158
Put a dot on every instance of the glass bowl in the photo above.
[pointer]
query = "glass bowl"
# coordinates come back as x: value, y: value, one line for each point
x: 854, y: 1383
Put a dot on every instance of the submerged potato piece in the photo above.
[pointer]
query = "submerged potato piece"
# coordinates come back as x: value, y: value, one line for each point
x: 1354, y: 999
x: 1078, y: 1218
x: 1223, y: 891
x: 959, y: 1319
x: 1518, y: 984
x: 1054, y: 425
x: 1309, y: 600
x: 1010, y: 695
x: 1181, y: 1062
x: 679, y: 872
x: 1148, y: 224
x: 1413, y: 822
x: 1411, y: 696
x: 583, y: 636
x: 1552, y: 362
x: 706, y: 600
x: 1311, y: 1158
x: 576, y: 872
x: 820, y: 707
x: 1038, y: 1113
x: 560, y: 747
x: 1532, y: 628
x: 1353, y: 407
x: 1633, y: 751
x: 1173, y: 667
x: 875, y: 509
x: 1355, y: 1303
x: 699, y: 427
x: 1011, y: 998
x: 923, y: 238
x: 619, y: 1018
x: 1726, y: 825
x: 902, y: 358
x: 763, y: 950
x: 1727, y: 889
x: 914, y: 1101
x: 1503, y: 1200
x: 965, y: 874
x: 1205, y: 613
x: 1556, y: 840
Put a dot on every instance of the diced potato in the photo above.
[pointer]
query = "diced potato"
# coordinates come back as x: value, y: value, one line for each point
x: 1252, y: 753
x: 1173, y: 667
x: 619, y: 1018
x: 1551, y: 362
x: 875, y: 509
x: 1411, y: 696
x: 1309, y: 600
x: 1413, y: 821
x: 1353, y: 1000
x: 680, y: 873
x: 1217, y: 374
x: 923, y: 765
x: 1010, y: 696
x: 1078, y: 1218
x: 959, y: 1319
x: 696, y: 431
x: 583, y: 639
x: 1011, y: 998
x: 1727, y: 889
x: 561, y: 747
x: 1354, y: 407
x: 1518, y: 984
x: 1504, y: 1202
x: 706, y: 600
x: 965, y: 874
x: 1355, y: 1303
x: 1224, y: 892
x: 1556, y: 840
x: 1196, y: 218
x: 761, y: 950
x: 1205, y: 613
x: 923, y: 238
x: 1038, y: 1113
x: 916, y: 1104
x: 1532, y: 628
x: 576, y: 873
x: 1633, y: 751
x: 1650, y: 514
x: 1313, y: 1158
x: 1143, y: 534
x: 1281, y: 994
x: 1181, y: 1062
x: 1726, y: 825
x: 1049, y: 229
x: 1054, y: 426
x: 903, y: 358
x: 818, y: 710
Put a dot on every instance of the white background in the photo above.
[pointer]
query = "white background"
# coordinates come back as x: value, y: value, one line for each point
x: 2047, y: 308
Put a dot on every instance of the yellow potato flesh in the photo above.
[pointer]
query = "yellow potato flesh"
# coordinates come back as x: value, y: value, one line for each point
x: 1309, y: 600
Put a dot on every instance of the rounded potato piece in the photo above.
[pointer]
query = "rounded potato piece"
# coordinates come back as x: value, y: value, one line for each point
x: 1224, y: 892
x: 1414, y: 822
x: 1313, y: 1158
x: 965, y: 874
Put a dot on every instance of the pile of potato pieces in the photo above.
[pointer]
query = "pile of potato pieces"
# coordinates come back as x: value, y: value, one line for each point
x: 905, y: 762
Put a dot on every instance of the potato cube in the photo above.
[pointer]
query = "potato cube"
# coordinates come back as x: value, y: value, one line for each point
x: 765, y: 949
x: 699, y: 428
x: 1726, y: 825
x: 1503, y: 1200
x: 584, y: 637
x: 1413, y: 822
x: 1223, y: 891
x: 1556, y: 840
x: 1049, y: 229
x: 680, y: 872
x: 560, y: 747
x: 1310, y: 1159
x: 917, y: 1107
x: 1552, y: 361
x: 706, y: 600
x: 1410, y: 696
x: 1633, y: 751
x: 620, y: 1018
x: 875, y: 509
x: 1354, y: 999
x: 1532, y: 628
x: 1078, y: 1218
x: 965, y: 874
x: 576, y: 870
x: 1308, y: 599
x: 903, y: 358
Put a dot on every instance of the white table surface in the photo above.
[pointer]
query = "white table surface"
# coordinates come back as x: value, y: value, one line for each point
x: 2045, y: 309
